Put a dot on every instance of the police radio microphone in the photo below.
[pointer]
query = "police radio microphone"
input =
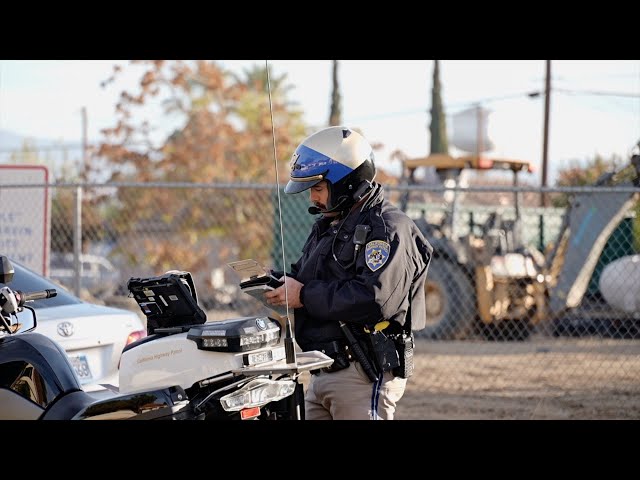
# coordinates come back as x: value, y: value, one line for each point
x: 313, y: 210
x: 364, y: 188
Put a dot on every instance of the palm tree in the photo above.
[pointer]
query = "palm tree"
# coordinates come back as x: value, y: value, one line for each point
x: 335, y: 117
x: 438, y: 127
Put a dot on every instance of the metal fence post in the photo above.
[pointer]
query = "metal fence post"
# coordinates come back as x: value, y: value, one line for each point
x: 541, y: 232
x: 77, y: 240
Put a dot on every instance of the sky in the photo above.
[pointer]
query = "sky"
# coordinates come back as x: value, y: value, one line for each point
x: 595, y: 104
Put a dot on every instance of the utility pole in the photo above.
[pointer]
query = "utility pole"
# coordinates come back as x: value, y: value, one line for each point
x: 84, y: 141
x: 545, y: 136
x: 77, y: 219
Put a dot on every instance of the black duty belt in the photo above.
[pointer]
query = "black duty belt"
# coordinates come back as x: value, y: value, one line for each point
x: 338, y: 351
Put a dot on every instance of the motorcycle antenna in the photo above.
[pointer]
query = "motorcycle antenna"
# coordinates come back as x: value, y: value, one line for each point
x: 289, y: 340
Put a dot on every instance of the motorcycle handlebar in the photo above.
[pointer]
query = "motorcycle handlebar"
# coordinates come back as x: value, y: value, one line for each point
x: 39, y: 295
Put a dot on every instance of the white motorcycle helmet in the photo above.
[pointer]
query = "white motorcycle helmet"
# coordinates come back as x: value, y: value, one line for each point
x: 339, y: 155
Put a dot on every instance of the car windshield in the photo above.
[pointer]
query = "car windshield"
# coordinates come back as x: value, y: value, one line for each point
x: 27, y: 281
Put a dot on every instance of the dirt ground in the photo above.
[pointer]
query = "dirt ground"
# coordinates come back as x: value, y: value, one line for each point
x: 537, y: 379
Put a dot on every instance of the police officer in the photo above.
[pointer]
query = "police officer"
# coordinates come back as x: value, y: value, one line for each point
x: 361, y: 277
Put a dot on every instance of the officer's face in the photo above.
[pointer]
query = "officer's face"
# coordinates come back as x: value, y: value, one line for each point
x: 319, y: 196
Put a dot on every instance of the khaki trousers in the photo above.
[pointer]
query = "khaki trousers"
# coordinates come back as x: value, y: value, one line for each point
x: 349, y: 395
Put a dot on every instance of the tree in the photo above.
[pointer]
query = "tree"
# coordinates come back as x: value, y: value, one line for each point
x: 255, y: 111
x: 335, y: 116
x: 223, y: 134
x: 438, y: 134
x: 579, y: 174
x: 438, y: 126
x: 224, y: 126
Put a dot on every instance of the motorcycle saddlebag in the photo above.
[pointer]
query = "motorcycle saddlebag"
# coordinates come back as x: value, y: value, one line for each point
x: 166, y: 404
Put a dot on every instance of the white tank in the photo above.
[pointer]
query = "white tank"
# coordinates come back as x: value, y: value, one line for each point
x: 172, y: 360
x: 472, y: 130
x: 620, y: 283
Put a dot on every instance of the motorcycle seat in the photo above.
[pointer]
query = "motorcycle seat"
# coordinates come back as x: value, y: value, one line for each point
x: 68, y: 405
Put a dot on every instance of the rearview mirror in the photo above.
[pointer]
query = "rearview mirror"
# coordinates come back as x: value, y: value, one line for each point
x: 26, y: 321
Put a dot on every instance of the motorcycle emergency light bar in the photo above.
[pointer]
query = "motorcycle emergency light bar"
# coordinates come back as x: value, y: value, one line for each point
x: 236, y: 335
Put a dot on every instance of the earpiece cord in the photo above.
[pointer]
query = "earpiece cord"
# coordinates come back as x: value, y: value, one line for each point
x: 369, y: 202
x: 333, y: 243
x: 336, y: 236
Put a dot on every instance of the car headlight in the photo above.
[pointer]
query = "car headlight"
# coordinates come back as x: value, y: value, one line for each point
x: 256, y: 393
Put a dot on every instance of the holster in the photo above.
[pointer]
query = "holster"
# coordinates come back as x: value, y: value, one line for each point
x: 335, y: 350
x: 384, y: 351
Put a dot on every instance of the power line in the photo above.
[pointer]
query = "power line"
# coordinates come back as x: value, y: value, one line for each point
x: 587, y: 92
x: 425, y: 110
x: 511, y: 96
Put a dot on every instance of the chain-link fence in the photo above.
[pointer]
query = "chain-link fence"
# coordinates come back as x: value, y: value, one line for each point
x: 523, y: 300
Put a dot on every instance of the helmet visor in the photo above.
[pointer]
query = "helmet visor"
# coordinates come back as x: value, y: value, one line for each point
x: 298, y: 185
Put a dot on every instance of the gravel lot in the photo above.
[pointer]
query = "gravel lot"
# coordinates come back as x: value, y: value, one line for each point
x: 575, y: 378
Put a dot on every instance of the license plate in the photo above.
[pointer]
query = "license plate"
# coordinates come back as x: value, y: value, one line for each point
x: 81, y: 367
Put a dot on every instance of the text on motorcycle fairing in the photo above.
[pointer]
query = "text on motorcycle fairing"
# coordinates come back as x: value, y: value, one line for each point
x: 158, y: 356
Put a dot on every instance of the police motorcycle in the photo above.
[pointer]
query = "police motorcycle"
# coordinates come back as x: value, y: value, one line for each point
x: 185, y: 369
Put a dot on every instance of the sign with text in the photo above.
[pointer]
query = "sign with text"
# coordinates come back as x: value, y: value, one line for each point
x: 25, y: 215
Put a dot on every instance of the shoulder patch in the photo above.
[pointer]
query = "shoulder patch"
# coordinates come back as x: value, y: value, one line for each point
x: 377, y: 254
